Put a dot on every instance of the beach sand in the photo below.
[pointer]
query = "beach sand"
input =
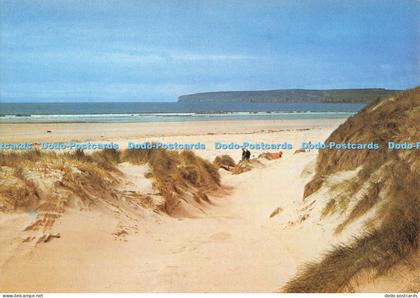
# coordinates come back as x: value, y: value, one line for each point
x: 232, y: 246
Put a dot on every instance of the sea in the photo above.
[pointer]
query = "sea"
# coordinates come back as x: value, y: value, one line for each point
x: 101, y: 112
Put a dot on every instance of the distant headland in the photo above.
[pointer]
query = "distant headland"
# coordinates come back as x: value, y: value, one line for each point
x: 291, y: 95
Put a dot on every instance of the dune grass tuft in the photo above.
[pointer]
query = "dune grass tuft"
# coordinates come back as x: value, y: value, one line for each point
x: 395, y: 236
x: 94, y: 175
x: 396, y: 239
x: 224, y: 161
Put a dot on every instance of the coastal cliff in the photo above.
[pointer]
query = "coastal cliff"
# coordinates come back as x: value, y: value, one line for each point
x: 290, y: 95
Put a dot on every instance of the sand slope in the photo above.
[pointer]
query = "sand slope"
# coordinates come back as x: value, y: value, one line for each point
x: 236, y: 246
x: 230, y: 245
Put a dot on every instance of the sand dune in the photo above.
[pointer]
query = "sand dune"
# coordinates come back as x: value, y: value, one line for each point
x: 230, y: 245
x: 252, y: 235
x: 374, y: 194
x: 159, y: 253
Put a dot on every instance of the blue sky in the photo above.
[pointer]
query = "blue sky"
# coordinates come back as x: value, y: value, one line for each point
x: 78, y: 50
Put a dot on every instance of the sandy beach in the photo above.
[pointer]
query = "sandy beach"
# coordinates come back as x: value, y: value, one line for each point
x: 233, y: 245
x: 251, y: 238
x: 209, y: 147
x: 207, y: 132
x: 36, y: 132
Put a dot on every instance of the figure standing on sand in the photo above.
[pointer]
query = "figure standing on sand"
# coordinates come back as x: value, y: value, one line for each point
x: 247, y: 154
x: 308, y: 150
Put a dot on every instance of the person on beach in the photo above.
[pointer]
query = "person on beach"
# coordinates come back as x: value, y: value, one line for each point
x: 247, y: 154
x: 276, y: 155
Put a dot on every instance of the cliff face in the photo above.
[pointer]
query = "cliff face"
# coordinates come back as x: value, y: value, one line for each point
x: 289, y: 95
x: 383, y: 194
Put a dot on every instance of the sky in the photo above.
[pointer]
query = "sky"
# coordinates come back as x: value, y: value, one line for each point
x: 85, y: 50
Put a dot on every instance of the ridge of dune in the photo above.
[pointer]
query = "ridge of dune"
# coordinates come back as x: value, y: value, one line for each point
x: 190, y: 254
x: 251, y: 233
x: 122, y: 248
x: 378, y: 203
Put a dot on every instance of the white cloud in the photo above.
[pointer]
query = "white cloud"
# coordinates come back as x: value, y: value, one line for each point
x: 156, y: 55
x: 95, y: 91
x: 101, y: 91
x: 146, y: 56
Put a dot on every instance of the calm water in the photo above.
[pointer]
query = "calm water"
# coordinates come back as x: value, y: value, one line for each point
x: 162, y: 111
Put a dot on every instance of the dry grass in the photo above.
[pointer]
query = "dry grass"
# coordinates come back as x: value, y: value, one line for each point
x: 14, y: 159
x: 344, y: 192
x: 47, y: 183
x: 395, y: 120
x: 368, y: 201
x: 378, y: 251
x: 92, y: 177
x: 330, y: 208
x: 224, y: 161
x: 175, y: 172
x: 395, y: 236
x: 18, y: 197
x: 266, y: 155
x: 137, y: 156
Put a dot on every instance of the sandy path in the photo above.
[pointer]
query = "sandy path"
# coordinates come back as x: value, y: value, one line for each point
x: 235, y: 247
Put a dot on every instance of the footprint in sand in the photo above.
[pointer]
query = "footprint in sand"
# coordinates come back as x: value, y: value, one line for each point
x: 222, y: 236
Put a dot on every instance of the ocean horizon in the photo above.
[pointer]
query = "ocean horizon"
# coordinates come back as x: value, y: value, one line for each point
x: 169, y: 111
